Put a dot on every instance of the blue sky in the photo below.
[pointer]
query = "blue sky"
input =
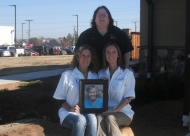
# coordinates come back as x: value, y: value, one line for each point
x: 54, y: 18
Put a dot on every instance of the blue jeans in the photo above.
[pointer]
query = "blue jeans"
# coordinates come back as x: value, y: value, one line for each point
x: 81, y: 124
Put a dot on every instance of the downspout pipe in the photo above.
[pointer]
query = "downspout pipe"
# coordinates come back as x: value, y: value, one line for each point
x: 186, y: 106
x: 150, y: 39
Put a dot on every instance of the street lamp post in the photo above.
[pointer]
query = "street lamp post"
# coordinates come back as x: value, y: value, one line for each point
x: 22, y: 31
x: 15, y: 24
x: 28, y: 30
x: 77, y: 24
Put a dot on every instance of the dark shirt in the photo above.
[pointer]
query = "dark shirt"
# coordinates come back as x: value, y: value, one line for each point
x: 93, y: 38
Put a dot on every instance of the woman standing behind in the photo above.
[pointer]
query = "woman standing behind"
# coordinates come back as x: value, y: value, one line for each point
x: 103, y: 31
x: 121, y: 91
x: 67, y: 93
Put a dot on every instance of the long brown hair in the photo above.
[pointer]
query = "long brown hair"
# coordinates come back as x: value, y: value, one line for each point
x: 119, y: 59
x: 94, y: 65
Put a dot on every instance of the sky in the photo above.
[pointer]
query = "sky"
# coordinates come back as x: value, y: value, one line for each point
x: 55, y: 18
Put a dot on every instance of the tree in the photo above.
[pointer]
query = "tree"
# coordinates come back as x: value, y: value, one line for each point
x: 35, y: 41
x: 69, y: 40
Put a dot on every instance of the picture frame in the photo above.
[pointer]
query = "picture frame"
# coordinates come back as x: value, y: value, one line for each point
x: 91, y: 102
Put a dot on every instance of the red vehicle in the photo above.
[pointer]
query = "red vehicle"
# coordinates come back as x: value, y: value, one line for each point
x: 31, y: 52
x: 56, y: 50
x: 28, y: 46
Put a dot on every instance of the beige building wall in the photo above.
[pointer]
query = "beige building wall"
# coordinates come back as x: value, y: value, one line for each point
x: 169, y: 22
x: 170, y: 46
x: 144, y: 23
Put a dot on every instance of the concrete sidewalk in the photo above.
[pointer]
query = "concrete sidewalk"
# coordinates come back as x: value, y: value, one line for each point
x: 33, y: 75
x: 40, y: 74
x: 29, y: 76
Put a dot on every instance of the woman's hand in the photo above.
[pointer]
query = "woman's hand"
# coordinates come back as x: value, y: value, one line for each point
x: 75, y: 108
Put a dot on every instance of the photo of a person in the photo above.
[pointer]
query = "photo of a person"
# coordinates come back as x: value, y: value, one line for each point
x: 93, y: 99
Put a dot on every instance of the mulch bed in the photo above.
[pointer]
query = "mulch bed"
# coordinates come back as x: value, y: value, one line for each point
x: 159, y: 118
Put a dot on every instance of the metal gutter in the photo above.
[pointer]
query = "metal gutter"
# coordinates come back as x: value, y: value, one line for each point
x: 150, y: 38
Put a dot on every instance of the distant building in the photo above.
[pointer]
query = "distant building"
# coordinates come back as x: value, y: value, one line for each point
x: 135, y: 40
x: 127, y: 31
x: 7, y: 35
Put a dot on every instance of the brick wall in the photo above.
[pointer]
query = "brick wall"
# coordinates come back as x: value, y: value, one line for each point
x: 164, y: 60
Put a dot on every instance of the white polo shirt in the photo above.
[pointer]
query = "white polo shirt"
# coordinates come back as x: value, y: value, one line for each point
x: 68, y: 89
x: 121, y: 85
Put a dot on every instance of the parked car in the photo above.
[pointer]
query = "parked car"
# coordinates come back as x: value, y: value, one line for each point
x: 5, y: 53
x: 66, y: 52
x: 63, y: 52
x: 40, y: 49
x: 56, y: 50
x: 13, y: 50
x: 31, y: 52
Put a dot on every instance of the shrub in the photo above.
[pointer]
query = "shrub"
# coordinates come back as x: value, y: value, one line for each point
x: 32, y: 100
x: 159, y: 88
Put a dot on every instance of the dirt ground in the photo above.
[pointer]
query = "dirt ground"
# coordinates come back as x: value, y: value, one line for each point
x: 160, y: 118
x: 16, y: 65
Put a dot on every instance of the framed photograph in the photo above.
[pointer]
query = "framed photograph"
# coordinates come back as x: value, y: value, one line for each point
x: 93, y: 96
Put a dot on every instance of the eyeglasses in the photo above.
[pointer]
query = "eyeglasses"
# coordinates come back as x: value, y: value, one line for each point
x: 101, y: 15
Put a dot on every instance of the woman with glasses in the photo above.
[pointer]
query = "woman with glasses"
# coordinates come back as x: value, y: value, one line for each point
x: 103, y: 31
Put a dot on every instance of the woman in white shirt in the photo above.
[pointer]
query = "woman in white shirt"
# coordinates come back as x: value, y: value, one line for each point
x: 121, y: 90
x: 84, y: 66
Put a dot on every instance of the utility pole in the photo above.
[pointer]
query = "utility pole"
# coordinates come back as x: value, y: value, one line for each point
x: 135, y: 25
x: 15, y: 24
x: 28, y: 30
x: 74, y: 35
x: 77, y: 24
x: 22, y: 31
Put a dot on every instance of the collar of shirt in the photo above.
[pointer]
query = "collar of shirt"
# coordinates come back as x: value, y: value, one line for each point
x: 76, y: 71
x: 117, y: 72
